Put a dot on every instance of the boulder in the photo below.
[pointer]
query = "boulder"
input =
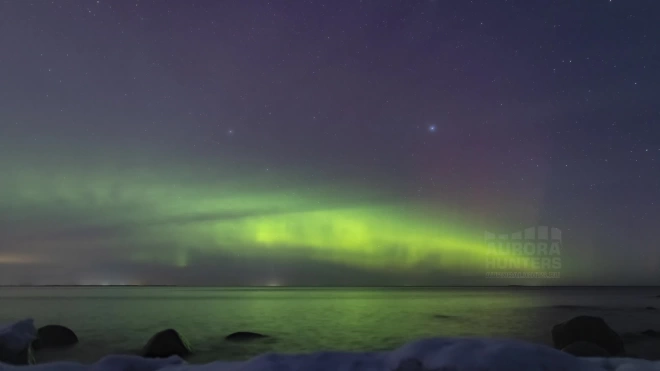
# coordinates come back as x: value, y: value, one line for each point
x: 588, y: 329
x: 245, y: 336
x: 15, y: 342
x: 166, y: 343
x: 585, y: 349
x: 54, y: 336
x: 21, y: 357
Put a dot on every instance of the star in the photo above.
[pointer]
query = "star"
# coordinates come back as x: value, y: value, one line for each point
x: 432, y: 128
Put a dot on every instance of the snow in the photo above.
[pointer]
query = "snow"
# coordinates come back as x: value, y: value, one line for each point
x: 17, y: 336
x: 457, y: 354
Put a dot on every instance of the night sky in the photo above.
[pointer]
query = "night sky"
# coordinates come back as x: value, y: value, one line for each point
x: 341, y: 142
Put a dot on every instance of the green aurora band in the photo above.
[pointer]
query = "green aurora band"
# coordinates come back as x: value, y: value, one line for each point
x: 164, y: 211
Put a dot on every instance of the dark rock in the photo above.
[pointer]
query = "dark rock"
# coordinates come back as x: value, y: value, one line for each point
x: 585, y: 349
x: 587, y: 329
x: 245, y: 336
x: 650, y: 308
x: 54, y: 336
x: 651, y: 333
x: 16, y: 343
x: 166, y: 343
x: 12, y: 357
x: 410, y: 364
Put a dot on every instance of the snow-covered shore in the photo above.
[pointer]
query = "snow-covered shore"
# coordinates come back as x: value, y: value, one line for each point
x: 457, y: 354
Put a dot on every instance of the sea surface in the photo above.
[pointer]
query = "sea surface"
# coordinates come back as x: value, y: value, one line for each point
x: 121, y: 319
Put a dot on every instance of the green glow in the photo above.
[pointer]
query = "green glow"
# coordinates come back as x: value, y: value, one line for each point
x: 163, y: 212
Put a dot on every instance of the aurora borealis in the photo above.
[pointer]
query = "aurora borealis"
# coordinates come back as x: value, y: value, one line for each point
x: 372, y: 142
x: 171, y: 214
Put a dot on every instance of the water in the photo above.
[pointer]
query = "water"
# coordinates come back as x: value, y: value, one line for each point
x: 121, y: 319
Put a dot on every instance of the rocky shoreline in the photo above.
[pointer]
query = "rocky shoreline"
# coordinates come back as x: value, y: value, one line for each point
x: 20, y: 341
x: 581, y: 337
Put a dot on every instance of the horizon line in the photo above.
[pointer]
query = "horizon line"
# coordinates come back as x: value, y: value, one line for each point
x: 340, y: 286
